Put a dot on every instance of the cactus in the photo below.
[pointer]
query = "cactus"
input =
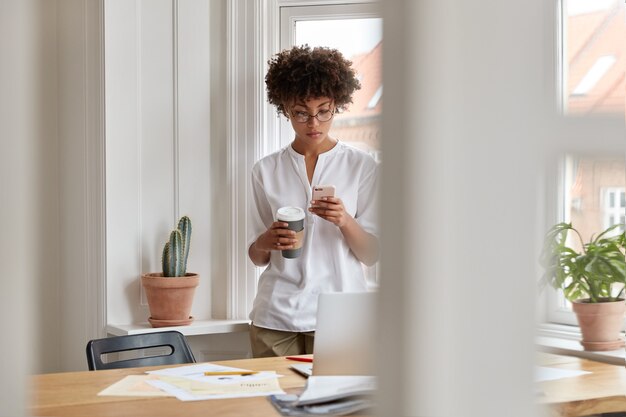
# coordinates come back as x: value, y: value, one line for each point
x: 184, y: 225
x: 165, y: 259
x: 176, y: 250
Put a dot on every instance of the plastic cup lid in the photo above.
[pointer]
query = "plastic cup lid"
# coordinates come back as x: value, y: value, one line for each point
x: 290, y: 214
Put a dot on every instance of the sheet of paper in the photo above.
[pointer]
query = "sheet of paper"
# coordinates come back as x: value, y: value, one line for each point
x: 543, y: 373
x: 134, y: 386
x: 196, y: 373
x: 195, y: 370
x: 188, y: 383
x: 186, y: 389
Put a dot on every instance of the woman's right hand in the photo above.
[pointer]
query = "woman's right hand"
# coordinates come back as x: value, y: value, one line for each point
x: 277, y: 237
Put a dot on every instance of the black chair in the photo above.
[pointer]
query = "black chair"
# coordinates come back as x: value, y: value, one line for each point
x: 180, y: 351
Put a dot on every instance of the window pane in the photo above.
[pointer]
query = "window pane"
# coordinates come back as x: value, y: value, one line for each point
x: 594, y: 61
x: 592, y: 185
x: 359, y: 40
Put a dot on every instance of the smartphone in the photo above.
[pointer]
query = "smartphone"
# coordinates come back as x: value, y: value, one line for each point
x: 320, y: 191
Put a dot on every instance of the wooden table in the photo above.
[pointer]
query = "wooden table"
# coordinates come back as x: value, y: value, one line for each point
x: 75, y: 393
x: 71, y: 394
x: 602, y: 391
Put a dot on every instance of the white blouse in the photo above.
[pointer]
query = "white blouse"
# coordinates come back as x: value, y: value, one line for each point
x: 288, y: 288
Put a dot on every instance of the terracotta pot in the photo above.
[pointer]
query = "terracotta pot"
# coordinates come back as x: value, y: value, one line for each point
x: 170, y: 298
x: 600, y: 323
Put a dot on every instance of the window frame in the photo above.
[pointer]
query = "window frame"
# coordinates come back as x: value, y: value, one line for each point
x: 315, y: 10
x: 252, y: 127
x: 570, y: 135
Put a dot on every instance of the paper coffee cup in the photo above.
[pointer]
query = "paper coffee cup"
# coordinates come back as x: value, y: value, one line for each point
x: 294, y: 217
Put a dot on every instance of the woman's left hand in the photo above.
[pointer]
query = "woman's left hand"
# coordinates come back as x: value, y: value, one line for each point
x: 330, y: 209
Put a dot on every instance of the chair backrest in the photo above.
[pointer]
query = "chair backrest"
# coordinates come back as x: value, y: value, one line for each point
x: 180, y: 351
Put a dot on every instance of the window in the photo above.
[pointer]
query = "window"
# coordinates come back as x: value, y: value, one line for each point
x: 593, y: 77
x: 356, y: 31
x: 594, y: 192
x: 256, y: 31
x: 592, y: 197
x: 614, y: 200
x: 591, y: 179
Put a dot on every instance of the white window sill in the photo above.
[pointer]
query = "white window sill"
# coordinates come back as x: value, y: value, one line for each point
x: 564, y: 340
x: 196, y: 328
x: 552, y: 338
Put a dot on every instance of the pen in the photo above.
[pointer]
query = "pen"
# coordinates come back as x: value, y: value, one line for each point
x: 220, y: 373
x: 300, y: 359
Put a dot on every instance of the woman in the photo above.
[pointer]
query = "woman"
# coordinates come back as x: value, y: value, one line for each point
x: 308, y: 86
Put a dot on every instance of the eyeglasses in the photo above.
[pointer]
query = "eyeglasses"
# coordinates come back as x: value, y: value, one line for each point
x: 322, y: 116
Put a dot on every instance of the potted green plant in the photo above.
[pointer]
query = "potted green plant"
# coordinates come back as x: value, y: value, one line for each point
x: 592, y: 279
x: 170, y: 292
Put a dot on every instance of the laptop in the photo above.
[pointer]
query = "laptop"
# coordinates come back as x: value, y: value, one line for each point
x: 345, y: 335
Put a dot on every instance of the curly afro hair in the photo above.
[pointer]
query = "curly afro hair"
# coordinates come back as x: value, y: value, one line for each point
x: 302, y: 73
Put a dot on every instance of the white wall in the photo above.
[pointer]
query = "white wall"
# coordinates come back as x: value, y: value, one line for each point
x: 58, y: 190
x: 166, y: 154
x: 157, y: 116
x: 53, y: 154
